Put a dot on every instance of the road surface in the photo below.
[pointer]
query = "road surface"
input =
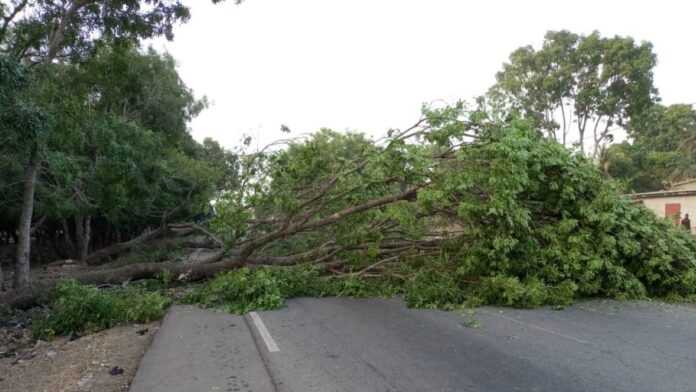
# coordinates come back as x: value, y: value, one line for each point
x: 339, y: 344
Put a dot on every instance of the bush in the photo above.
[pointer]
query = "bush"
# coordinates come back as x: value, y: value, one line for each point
x: 77, y: 308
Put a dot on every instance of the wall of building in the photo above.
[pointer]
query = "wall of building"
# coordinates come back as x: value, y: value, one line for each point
x: 688, y: 206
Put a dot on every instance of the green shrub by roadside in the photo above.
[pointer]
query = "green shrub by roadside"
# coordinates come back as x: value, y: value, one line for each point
x: 76, y: 308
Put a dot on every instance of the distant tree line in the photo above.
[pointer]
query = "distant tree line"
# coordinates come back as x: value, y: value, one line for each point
x: 583, y: 91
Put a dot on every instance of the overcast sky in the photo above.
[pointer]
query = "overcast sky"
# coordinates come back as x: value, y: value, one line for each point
x: 369, y: 65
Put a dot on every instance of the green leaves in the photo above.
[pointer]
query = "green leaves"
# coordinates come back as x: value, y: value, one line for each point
x: 578, y: 84
x: 541, y: 213
x: 23, y: 124
x: 78, y: 308
x: 241, y: 291
x: 267, y: 288
x: 664, y: 142
x: 504, y: 216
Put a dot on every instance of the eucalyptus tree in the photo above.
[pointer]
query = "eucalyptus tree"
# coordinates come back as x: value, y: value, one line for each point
x: 579, y: 89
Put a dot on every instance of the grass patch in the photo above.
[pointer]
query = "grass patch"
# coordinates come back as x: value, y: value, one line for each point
x: 76, y: 308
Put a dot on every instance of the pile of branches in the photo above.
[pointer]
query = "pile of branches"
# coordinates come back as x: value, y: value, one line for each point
x: 476, y: 207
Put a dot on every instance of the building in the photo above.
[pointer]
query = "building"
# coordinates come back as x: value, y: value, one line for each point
x: 673, y: 203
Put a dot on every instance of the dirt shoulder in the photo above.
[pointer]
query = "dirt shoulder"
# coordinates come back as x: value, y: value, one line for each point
x: 82, y: 365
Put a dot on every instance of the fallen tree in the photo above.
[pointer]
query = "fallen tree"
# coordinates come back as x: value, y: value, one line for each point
x: 455, y: 208
x: 493, y: 209
x: 103, y: 255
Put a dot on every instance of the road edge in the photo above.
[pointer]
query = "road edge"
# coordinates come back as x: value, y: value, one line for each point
x: 263, y: 353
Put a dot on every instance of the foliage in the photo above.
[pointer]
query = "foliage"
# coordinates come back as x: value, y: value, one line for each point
x: 90, y: 79
x: 501, y: 215
x: 106, y: 129
x: 96, y: 152
x: 267, y: 288
x: 535, y: 212
x: 438, y: 287
x: 662, y: 151
x: 241, y: 291
x: 20, y: 117
x: 344, y: 168
x: 434, y: 287
x: 594, y: 82
x: 23, y: 124
x: 465, y: 207
x: 78, y: 308
x: 72, y: 29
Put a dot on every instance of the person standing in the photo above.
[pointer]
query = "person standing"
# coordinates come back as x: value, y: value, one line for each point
x: 686, y: 223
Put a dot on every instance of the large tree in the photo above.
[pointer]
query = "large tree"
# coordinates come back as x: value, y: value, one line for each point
x: 23, y: 126
x: 579, y: 89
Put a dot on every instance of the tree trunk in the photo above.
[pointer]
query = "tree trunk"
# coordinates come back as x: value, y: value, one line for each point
x: 113, y: 250
x: 83, y: 232
x: 37, y: 294
x: 22, y: 264
x: 69, y: 244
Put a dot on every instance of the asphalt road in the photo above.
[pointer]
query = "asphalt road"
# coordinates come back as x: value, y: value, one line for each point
x: 336, y: 344
x: 197, y: 350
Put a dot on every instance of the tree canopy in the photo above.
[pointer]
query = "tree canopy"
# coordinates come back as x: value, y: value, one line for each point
x: 100, y: 107
x: 579, y: 89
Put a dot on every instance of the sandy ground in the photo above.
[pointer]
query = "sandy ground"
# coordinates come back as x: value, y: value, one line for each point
x: 81, y: 365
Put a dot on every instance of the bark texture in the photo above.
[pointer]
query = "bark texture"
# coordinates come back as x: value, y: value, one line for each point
x: 83, y: 228
x: 22, y: 264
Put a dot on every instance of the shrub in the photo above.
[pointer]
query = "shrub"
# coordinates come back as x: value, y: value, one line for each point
x: 77, y: 308
x: 241, y: 291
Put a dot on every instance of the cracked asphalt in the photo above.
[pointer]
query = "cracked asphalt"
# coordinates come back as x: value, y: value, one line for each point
x: 339, y: 344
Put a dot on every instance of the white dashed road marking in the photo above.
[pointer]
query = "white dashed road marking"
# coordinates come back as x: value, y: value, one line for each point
x: 265, y: 335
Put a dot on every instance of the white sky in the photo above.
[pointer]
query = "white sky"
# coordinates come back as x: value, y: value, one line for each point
x: 369, y: 65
